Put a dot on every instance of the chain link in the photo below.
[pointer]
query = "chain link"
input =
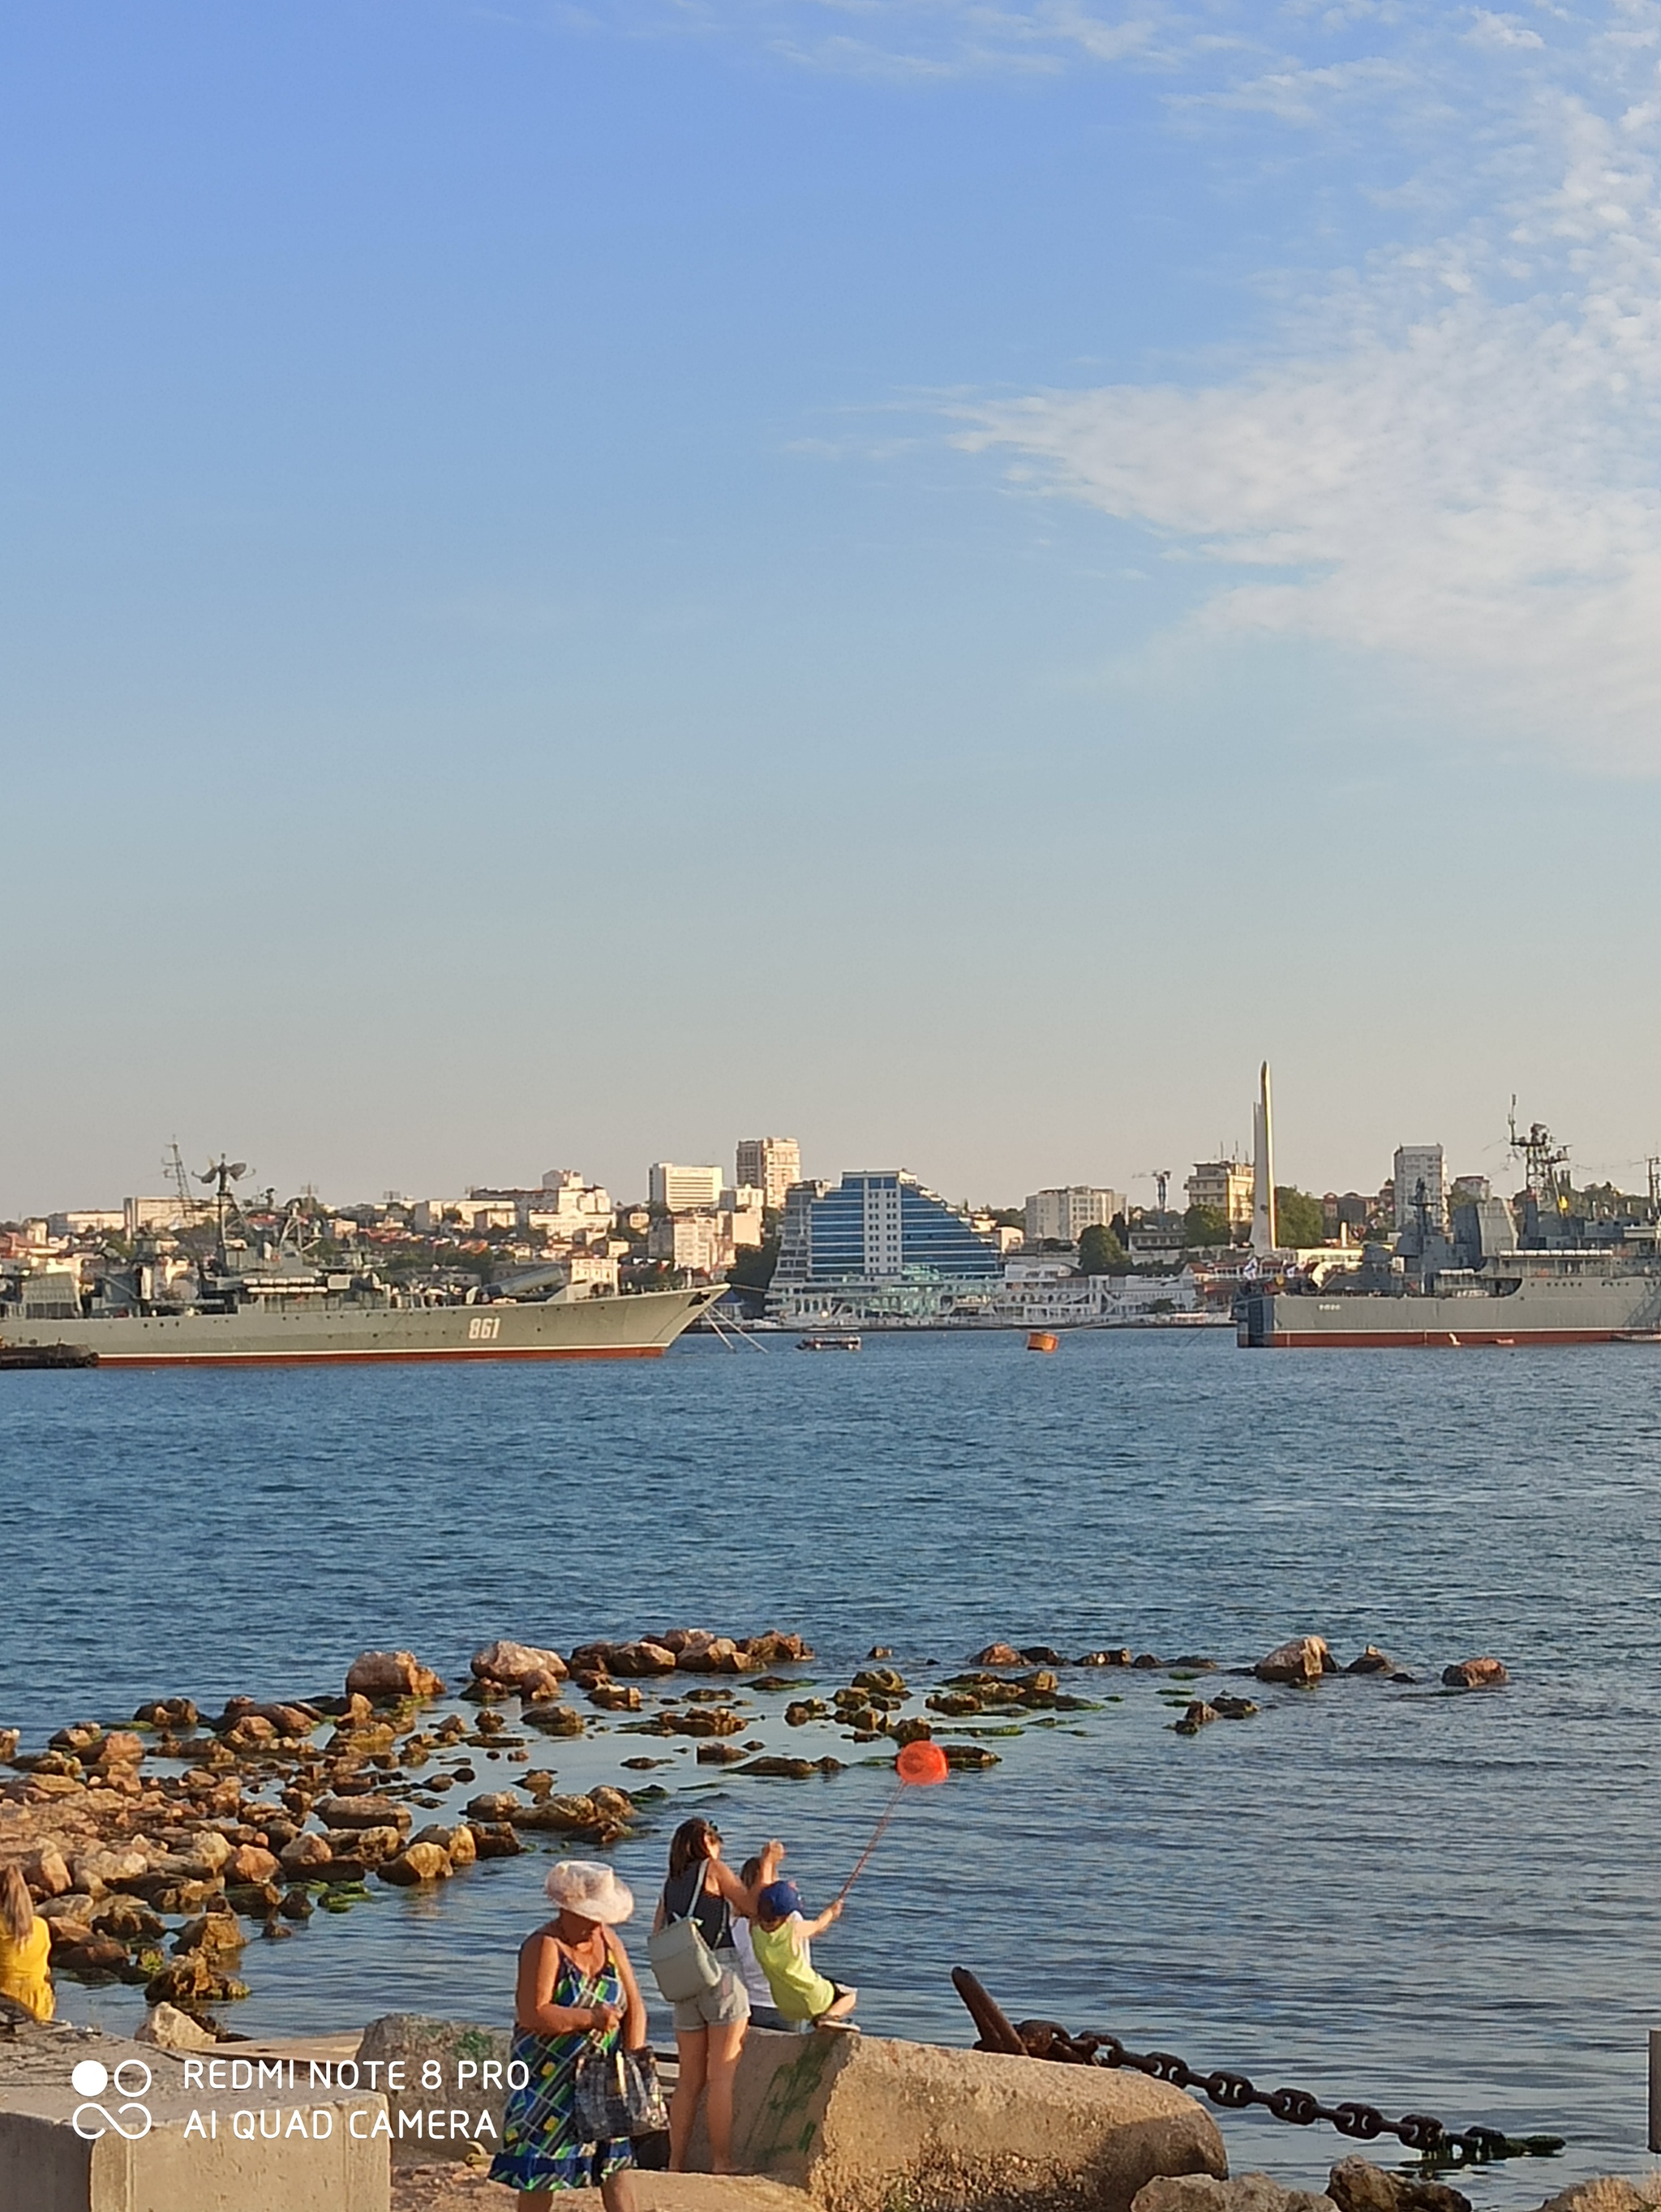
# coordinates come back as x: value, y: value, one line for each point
x: 1417, y: 2131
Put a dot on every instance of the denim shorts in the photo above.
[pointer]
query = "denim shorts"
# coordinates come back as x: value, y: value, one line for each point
x: 724, y: 2005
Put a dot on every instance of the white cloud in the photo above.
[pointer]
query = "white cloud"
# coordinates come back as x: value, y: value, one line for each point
x: 1469, y: 484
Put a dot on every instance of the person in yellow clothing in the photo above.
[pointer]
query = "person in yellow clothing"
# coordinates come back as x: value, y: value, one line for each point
x: 24, y: 1948
x: 781, y: 1935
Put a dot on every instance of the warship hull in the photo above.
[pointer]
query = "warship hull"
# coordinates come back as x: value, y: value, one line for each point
x: 641, y: 1327
x: 1584, y: 1309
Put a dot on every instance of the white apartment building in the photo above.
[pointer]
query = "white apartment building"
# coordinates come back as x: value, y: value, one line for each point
x: 687, y: 1190
x: 1417, y: 1163
x: 1061, y: 1216
x: 700, y: 1242
x: 1224, y: 1186
x: 771, y: 1165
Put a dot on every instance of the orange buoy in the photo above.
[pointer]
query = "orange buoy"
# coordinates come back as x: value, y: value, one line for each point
x: 1042, y: 1339
x: 921, y: 1763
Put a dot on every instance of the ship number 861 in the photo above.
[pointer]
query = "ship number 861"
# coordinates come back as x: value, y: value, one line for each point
x: 483, y: 1328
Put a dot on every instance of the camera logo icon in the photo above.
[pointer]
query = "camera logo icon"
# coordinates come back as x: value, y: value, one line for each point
x: 131, y: 2080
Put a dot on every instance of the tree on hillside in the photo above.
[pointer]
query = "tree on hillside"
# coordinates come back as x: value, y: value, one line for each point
x: 1100, y: 1252
x: 1299, y: 1218
x: 753, y: 1264
x: 1205, y: 1225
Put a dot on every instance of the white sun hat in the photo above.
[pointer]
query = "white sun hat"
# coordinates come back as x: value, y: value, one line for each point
x: 588, y: 1888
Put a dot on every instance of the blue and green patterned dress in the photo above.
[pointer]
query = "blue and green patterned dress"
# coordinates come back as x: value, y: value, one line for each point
x: 540, y: 2146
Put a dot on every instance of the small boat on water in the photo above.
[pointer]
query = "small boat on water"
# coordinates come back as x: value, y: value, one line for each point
x: 1043, y: 1340
x: 828, y: 1344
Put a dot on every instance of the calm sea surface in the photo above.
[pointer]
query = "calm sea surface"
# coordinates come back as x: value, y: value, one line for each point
x: 1437, y: 1903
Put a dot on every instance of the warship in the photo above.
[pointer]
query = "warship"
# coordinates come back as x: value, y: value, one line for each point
x: 251, y: 1301
x: 1562, y: 1266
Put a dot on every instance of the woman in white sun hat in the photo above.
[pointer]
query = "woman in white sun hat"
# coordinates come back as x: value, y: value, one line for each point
x: 575, y: 1983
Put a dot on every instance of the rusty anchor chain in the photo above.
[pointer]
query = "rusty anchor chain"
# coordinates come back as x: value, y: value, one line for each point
x: 1436, y: 2143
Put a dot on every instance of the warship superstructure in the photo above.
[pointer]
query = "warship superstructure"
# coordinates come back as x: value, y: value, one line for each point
x: 252, y: 1301
x: 1563, y: 1267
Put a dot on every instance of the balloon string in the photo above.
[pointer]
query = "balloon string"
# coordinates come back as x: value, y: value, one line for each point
x: 876, y: 1838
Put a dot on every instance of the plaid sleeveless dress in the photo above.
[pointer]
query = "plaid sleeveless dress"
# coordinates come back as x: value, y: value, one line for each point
x: 540, y: 2146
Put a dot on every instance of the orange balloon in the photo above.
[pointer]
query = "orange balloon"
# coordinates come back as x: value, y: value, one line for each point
x: 921, y: 1763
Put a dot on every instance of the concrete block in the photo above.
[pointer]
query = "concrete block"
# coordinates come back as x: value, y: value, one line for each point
x: 195, y: 2155
x: 860, y: 2123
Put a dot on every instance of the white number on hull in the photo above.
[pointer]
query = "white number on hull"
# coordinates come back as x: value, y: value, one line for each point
x: 483, y: 1328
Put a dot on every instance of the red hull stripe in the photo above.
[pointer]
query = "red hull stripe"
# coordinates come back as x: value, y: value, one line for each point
x: 1434, y: 1339
x: 316, y: 1359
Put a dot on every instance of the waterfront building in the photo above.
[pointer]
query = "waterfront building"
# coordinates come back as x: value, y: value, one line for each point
x: 1061, y: 1216
x: 1224, y: 1186
x: 771, y: 1164
x: 877, y: 1248
x: 140, y: 1214
x: 684, y: 1189
x: 1416, y: 1164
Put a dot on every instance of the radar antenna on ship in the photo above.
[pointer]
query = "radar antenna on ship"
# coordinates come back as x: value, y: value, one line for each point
x: 223, y: 1173
x: 1542, y: 1157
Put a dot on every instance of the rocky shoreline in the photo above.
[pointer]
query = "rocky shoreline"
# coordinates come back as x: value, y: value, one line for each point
x: 159, y: 1845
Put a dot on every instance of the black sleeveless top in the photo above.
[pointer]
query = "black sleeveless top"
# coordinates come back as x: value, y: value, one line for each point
x: 712, y: 1913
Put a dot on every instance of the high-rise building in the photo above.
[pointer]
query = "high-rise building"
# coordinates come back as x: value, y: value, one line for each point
x: 879, y: 1247
x: 771, y: 1165
x: 1061, y: 1216
x: 1224, y: 1186
x: 685, y: 1190
x: 1416, y: 1164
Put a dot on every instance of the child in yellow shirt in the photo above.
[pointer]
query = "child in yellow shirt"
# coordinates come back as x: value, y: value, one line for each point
x: 24, y: 1948
x: 782, y: 1935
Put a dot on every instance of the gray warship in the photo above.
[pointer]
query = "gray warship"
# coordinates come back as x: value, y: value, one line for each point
x: 252, y: 1302
x: 1564, y: 1266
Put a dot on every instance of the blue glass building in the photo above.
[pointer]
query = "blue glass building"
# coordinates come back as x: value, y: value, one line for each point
x: 879, y: 1248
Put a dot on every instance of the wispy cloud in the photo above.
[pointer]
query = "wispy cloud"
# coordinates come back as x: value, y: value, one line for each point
x: 1453, y: 456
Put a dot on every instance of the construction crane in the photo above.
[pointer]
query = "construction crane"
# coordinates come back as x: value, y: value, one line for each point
x: 1161, y: 1179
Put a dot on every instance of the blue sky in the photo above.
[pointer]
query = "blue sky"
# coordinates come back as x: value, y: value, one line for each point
x: 582, y: 581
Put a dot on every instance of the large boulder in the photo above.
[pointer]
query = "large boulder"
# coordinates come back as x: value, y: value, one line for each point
x: 459, y: 2049
x: 1301, y: 1660
x: 381, y: 1675
x: 169, y: 2029
x: 1476, y: 1675
x: 508, y: 1664
x: 860, y: 2123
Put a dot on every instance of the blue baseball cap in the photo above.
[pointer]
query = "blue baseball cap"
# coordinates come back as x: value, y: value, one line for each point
x: 780, y: 1900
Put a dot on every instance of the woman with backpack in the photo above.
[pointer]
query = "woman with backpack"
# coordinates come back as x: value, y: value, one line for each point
x: 703, y: 1894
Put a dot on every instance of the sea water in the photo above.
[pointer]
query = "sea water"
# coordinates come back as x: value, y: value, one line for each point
x: 1437, y: 1903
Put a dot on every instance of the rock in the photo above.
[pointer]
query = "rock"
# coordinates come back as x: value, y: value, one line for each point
x: 9, y: 1740
x: 370, y: 1846
x: 954, y: 1705
x: 456, y: 1843
x: 718, y: 1720
x: 714, y: 1655
x: 121, y: 1746
x: 305, y: 1852
x: 169, y: 2029
x: 644, y: 1657
x: 916, y: 1730
x: 1357, y: 2185
x: 126, y: 1919
x: 46, y: 1874
x: 176, y: 1714
x: 509, y: 1663
x: 1604, y: 2192
x: 887, y: 1682
x: 422, y: 2042
x: 969, y: 1758
x: 1118, y: 1656
x: 555, y: 1720
x: 208, y: 1852
x: 718, y: 1755
x: 774, y: 1644
x: 1198, y: 1716
x: 1195, y: 1663
x: 495, y: 1839
x: 1199, y: 2192
x: 210, y: 1931
x: 1302, y: 1661
x: 615, y: 1697
x: 417, y: 1863
x: 1476, y: 1675
x: 1148, y: 1662
x: 880, y: 1651
x: 998, y: 1654
x: 380, y: 1675
x: 97, y: 1872
x: 1234, y: 1709
x: 801, y: 1711
x: 78, y: 1736
x: 100, y: 1958
x: 494, y: 1805
x: 1372, y: 1660
x: 366, y: 1812
x: 249, y: 1863
x: 560, y: 1816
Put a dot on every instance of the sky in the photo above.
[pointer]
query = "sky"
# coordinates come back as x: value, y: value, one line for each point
x: 581, y: 581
